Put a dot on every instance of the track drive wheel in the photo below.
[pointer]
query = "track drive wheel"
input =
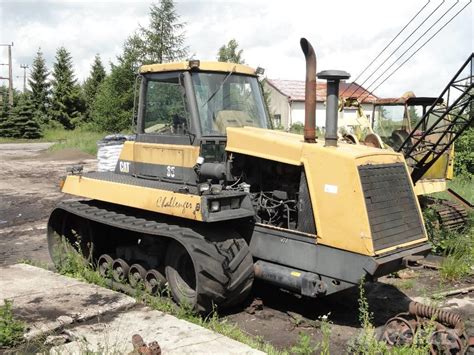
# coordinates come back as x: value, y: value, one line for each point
x: 136, y: 275
x: 207, y: 271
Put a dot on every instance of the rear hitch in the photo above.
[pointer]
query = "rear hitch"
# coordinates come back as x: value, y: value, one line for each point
x: 412, y: 262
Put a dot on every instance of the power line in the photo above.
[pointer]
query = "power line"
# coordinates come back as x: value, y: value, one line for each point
x: 419, y: 38
x: 416, y: 51
x: 401, y: 44
x: 383, y: 50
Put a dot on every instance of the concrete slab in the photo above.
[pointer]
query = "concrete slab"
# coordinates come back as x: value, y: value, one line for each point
x: 175, y: 336
x: 47, y: 301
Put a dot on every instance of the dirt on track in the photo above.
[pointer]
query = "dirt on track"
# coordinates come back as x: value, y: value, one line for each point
x: 29, y: 191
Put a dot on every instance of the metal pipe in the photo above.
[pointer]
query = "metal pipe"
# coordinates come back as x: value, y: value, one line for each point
x: 303, y: 282
x: 310, y: 92
x: 332, y: 103
x: 278, y: 275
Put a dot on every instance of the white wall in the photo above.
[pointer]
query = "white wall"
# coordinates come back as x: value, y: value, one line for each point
x: 297, y: 113
x: 278, y: 104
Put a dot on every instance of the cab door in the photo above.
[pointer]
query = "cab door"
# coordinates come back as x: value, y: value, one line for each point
x: 164, y: 147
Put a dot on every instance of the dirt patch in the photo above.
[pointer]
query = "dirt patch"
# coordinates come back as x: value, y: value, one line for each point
x: 65, y: 154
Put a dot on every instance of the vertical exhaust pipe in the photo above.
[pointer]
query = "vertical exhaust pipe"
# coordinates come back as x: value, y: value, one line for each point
x: 332, y: 103
x: 310, y: 92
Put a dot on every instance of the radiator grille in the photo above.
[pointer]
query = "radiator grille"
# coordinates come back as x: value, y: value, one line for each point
x: 393, y: 214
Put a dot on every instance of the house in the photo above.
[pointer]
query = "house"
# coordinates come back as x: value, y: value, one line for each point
x: 287, y: 101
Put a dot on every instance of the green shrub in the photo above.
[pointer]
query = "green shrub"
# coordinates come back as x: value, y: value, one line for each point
x: 297, y: 128
x: 464, y: 154
x: 11, y: 330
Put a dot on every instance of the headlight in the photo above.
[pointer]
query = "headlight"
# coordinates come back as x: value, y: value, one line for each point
x: 235, y: 203
x: 215, y: 206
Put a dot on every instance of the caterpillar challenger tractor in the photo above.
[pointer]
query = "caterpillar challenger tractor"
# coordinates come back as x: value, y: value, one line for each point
x: 208, y: 197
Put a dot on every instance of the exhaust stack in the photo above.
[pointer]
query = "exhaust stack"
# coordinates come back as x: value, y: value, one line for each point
x: 332, y: 102
x: 310, y: 92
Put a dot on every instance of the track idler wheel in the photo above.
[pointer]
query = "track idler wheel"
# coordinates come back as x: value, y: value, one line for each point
x: 154, y: 281
x: 104, y: 265
x: 445, y: 341
x: 399, y: 331
x: 136, y: 275
x: 120, y: 270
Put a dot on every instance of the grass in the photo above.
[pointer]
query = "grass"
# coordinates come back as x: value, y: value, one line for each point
x: 11, y: 330
x: 459, y: 260
x: 456, y: 247
x: 82, y: 139
x: 463, y: 185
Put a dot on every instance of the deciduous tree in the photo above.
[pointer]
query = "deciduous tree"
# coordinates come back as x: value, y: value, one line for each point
x: 230, y: 53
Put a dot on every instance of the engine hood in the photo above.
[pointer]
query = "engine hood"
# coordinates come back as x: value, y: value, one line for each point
x: 291, y: 149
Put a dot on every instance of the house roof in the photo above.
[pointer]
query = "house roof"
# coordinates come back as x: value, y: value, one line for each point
x: 294, y: 90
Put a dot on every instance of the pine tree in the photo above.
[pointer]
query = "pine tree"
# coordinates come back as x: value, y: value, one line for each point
x: 7, y: 124
x: 67, y: 105
x: 40, y: 87
x: 91, y: 86
x: 163, y: 39
x: 229, y: 53
x: 7, y: 127
x: 21, y: 121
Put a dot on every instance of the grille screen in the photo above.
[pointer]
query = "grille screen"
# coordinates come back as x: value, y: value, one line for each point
x: 393, y: 214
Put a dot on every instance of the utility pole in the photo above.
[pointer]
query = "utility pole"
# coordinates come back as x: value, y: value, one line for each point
x: 24, y: 67
x: 10, y: 73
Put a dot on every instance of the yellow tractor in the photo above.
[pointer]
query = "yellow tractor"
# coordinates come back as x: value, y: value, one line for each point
x: 208, y: 197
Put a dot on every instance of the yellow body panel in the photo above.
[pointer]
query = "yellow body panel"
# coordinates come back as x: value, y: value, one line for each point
x: 162, y: 154
x: 333, y: 180
x: 204, y: 66
x: 429, y: 186
x: 168, y: 202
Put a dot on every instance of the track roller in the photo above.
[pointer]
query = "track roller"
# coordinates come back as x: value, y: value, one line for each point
x: 136, y: 275
x: 120, y: 270
x: 104, y: 265
x: 154, y: 281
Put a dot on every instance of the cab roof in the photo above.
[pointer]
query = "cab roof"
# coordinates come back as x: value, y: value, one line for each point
x: 203, y: 66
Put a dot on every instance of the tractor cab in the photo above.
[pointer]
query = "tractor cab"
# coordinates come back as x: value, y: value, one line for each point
x: 195, y: 100
x: 184, y: 111
x: 394, y: 119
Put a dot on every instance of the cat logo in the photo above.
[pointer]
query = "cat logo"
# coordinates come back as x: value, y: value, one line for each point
x: 124, y: 166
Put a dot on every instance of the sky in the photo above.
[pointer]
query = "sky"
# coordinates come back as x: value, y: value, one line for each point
x: 346, y: 35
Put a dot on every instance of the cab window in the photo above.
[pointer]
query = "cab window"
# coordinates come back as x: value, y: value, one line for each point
x: 165, y: 110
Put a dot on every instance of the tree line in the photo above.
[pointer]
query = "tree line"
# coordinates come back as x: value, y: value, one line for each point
x: 103, y: 102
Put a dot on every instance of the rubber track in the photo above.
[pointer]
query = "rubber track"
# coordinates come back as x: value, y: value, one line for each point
x: 223, y: 263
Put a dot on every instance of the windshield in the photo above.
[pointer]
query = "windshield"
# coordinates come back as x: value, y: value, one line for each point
x: 228, y: 100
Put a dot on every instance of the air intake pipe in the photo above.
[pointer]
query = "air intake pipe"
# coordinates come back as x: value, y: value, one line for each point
x: 332, y: 102
x: 310, y: 92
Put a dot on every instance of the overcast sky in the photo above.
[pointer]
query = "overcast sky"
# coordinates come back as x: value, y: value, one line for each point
x: 346, y: 35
